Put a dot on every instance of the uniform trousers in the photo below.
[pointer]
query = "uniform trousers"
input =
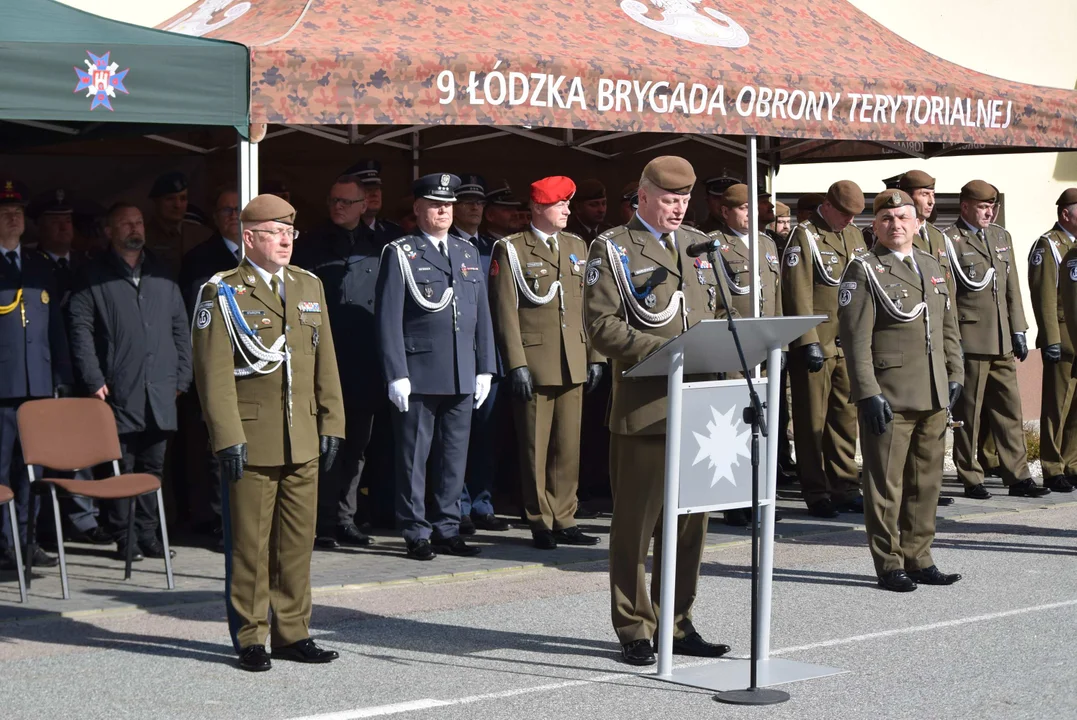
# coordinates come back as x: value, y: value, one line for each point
x: 269, y: 517
x: 13, y: 475
x: 637, y: 472
x: 548, y: 428
x: 338, y: 488
x: 141, y: 452
x: 432, y: 435
x: 902, y: 480
x: 824, y: 425
x: 482, y: 450
x: 1058, y: 449
x: 990, y: 396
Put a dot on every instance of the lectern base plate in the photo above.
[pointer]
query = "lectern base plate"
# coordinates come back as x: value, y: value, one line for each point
x: 733, y: 674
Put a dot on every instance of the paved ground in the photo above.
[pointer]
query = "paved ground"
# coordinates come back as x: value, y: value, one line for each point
x: 535, y: 642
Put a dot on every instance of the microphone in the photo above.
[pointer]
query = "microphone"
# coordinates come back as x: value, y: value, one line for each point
x: 701, y: 248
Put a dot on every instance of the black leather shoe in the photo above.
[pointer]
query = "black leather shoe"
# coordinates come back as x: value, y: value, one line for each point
x: 694, y: 645
x: 977, y: 492
x: 254, y: 658
x: 455, y: 546
x: 543, y: 539
x: 467, y: 525
x: 573, y: 536
x: 304, y: 651
x: 152, y: 548
x: 326, y: 542
x: 94, y: 536
x: 638, y: 652
x: 585, y: 512
x: 738, y: 517
x: 852, y: 505
x: 421, y: 550
x: 352, y: 536
x: 121, y: 552
x: 1028, y: 488
x: 897, y: 581
x: 489, y: 522
x: 932, y: 576
x: 1058, y: 483
x: 823, y: 509
x: 43, y: 559
x: 945, y: 501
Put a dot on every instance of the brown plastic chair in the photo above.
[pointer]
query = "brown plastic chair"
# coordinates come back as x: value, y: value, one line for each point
x: 6, y: 498
x: 69, y: 434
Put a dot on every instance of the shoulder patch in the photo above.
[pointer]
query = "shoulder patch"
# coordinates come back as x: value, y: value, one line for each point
x: 203, y: 317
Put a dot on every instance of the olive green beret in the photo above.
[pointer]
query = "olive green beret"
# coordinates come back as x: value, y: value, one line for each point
x: 265, y: 208
x: 781, y: 210
x: 889, y: 199
x: 979, y: 191
x: 670, y: 173
x: 1068, y: 197
x: 915, y: 180
x: 846, y: 196
x: 811, y: 201
x: 589, y: 189
x: 735, y: 195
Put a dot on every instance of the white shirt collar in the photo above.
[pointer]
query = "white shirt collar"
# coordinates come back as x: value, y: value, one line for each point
x: 647, y: 225
x: 55, y: 257
x: 975, y: 230
x: 267, y: 277
x: 1065, y: 231
x: 18, y: 254
x: 901, y: 256
x: 232, y: 247
x: 544, y: 237
x: 437, y: 243
x: 465, y: 234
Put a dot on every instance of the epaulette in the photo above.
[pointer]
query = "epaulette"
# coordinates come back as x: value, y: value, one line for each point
x: 695, y: 230
x: 216, y: 279
x: 401, y: 240
x: 612, y: 232
x: 572, y: 235
x: 514, y: 236
x: 466, y: 242
x: 296, y: 268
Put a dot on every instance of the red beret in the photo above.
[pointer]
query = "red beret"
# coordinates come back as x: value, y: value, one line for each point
x: 554, y: 189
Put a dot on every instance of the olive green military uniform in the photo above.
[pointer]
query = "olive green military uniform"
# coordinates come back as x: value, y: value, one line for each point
x: 547, y: 338
x: 824, y: 423
x: 988, y: 315
x: 637, y: 413
x: 170, y: 241
x: 734, y: 253
x: 909, y: 361
x: 930, y: 239
x: 270, y: 512
x: 1067, y: 310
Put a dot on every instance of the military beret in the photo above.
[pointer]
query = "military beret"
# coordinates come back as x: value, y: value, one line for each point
x: 846, y: 196
x: 781, y: 210
x: 195, y: 216
x: 471, y: 186
x: 630, y: 193
x: 436, y: 186
x: 502, y: 195
x: 890, y: 199
x: 266, y: 208
x: 978, y: 190
x: 168, y: 184
x: 892, y: 182
x: 915, y: 180
x: 589, y: 189
x: 53, y: 202
x: 1068, y: 197
x: 367, y: 171
x: 735, y: 195
x: 670, y: 173
x: 718, y: 185
x: 12, y: 192
x: 553, y: 189
x: 811, y: 201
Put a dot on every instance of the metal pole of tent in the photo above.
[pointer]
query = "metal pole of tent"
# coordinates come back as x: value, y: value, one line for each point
x: 414, y: 154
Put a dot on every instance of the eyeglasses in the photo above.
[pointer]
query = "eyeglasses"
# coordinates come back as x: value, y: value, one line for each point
x: 344, y: 201
x: 287, y: 232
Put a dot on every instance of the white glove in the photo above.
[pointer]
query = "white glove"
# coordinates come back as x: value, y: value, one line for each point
x: 482, y: 388
x: 399, y: 390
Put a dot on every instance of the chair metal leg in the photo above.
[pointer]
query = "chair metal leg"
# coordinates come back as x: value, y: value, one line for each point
x: 130, y: 538
x: 59, y: 541
x: 164, y: 540
x: 18, y: 550
x: 31, y: 534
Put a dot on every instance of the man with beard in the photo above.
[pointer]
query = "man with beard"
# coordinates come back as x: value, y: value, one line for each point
x: 131, y: 347
x: 588, y: 218
x: 168, y: 236
x: 783, y: 223
x: 368, y: 173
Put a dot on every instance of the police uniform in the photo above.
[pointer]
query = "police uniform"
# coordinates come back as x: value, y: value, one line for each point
x: 436, y: 341
x: 902, y: 345
x: 640, y: 291
x: 369, y: 174
x: 1058, y: 450
x: 267, y: 379
x: 823, y: 420
x: 716, y: 187
x: 536, y: 299
x: 167, y: 240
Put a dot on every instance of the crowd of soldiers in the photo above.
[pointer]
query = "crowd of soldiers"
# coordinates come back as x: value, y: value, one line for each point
x: 479, y: 308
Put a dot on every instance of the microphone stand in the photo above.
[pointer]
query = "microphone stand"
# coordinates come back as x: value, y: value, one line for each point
x: 753, y: 414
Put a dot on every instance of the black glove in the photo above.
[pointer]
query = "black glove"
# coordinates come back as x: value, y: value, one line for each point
x: 232, y: 460
x: 1051, y: 354
x: 327, y: 448
x: 1020, y: 349
x: 877, y: 412
x: 63, y: 391
x: 521, y: 383
x: 813, y: 357
x: 955, y: 394
x: 594, y: 376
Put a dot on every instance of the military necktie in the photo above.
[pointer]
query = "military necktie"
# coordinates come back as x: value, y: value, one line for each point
x: 923, y: 234
x: 13, y: 260
x: 911, y: 264
x: 552, y: 242
x: 61, y: 263
x: 667, y: 240
x: 277, y: 289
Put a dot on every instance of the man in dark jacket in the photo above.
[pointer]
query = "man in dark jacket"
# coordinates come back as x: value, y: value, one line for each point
x: 131, y: 345
x: 343, y: 254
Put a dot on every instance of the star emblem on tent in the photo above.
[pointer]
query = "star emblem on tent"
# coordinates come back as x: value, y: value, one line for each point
x: 101, y: 80
x: 723, y: 446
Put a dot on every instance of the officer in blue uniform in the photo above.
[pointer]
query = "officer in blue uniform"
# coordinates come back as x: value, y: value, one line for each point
x: 436, y: 343
x: 368, y: 172
x: 34, y: 361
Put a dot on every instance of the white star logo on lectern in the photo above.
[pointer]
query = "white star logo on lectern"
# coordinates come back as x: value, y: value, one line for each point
x: 724, y: 446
